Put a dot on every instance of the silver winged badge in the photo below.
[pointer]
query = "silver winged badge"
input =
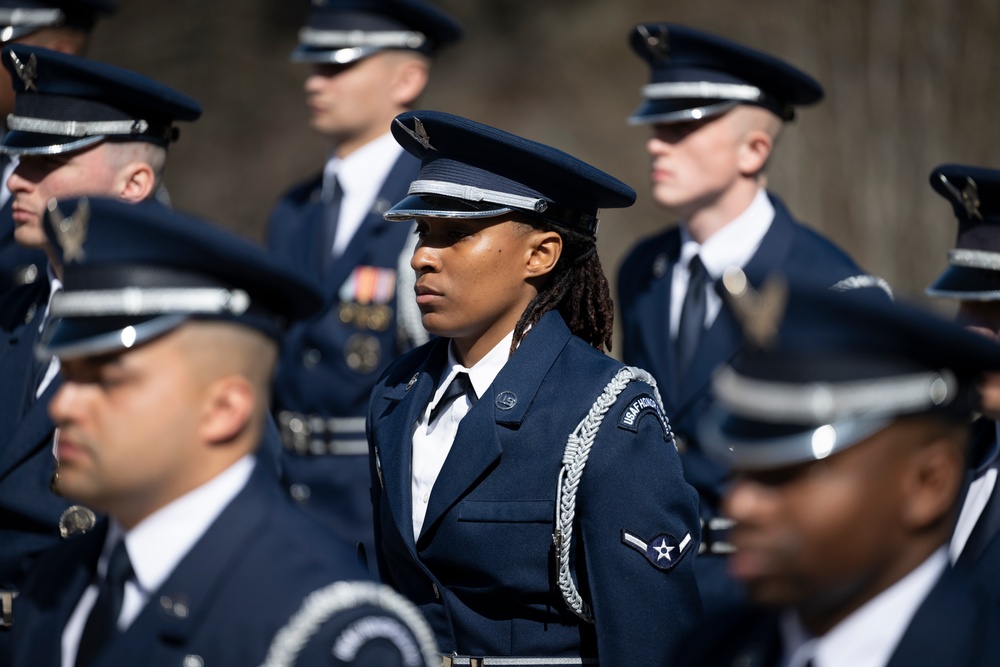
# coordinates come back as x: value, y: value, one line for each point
x: 419, y: 133
x: 968, y: 196
x: 26, y: 72
x: 758, y: 312
x: 70, y: 231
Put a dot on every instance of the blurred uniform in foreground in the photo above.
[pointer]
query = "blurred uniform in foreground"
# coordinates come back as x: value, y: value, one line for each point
x: 168, y: 331
x: 846, y: 428
x: 79, y: 127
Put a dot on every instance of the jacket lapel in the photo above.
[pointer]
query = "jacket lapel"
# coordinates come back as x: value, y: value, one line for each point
x: 477, y: 444
x: 56, y: 601
x: 33, y: 431
x: 724, y: 339
x: 395, y: 426
x: 373, y: 228
x: 199, y: 575
x: 655, y: 305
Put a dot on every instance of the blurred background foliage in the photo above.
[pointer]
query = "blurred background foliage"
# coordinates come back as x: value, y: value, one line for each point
x: 910, y: 84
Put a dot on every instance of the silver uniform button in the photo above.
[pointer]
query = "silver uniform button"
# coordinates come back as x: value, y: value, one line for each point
x: 311, y: 358
x: 300, y: 492
x: 193, y: 661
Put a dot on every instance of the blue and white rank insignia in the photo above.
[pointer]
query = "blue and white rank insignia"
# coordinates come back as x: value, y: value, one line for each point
x: 663, y: 551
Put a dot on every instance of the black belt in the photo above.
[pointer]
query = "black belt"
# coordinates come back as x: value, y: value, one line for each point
x: 322, y: 436
x: 487, y: 661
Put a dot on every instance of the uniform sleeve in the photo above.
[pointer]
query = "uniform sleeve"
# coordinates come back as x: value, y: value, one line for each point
x: 356, y: 623
x: 638, y: 536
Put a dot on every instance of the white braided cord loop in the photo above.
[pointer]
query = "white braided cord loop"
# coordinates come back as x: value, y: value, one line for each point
x: 578, y: 446
x: 324, y: 603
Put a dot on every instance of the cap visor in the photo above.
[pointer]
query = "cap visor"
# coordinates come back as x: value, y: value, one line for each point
x: 70, y: 338
x: 34, y: 143
x: 967, y: 283
x: 679, y: 110
x: 434, y: 206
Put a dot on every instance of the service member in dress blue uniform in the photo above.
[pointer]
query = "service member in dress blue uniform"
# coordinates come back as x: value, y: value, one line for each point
x: 973, y: 279
x: 79, y: 127
x: 715, y: 109
x: 59, y: 25
x: 168, y: 329
x: 846, y: 427
x: 370, y: 61
x: 530, y: 498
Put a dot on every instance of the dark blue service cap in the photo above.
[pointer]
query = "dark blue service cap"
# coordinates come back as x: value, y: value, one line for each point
x: 132, y: 272
x: 19, y: 18
x: 65, y: 103
x: 824, y: 370
x: 343, y: 31
x: 973, y: 272
x: 698, y: 75
x: 471, y: 170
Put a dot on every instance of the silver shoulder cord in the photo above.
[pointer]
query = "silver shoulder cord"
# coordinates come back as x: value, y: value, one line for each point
x: 578, y: 447
x: 324, y: 603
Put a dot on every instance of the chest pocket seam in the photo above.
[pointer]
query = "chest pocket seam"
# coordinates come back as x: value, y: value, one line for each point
x: 507, y: 511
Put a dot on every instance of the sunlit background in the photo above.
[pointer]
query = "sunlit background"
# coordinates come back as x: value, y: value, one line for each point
x: 910, y: 84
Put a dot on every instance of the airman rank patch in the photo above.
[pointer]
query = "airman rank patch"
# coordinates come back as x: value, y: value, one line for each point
x: 663, y: 551
x: 642, y: 405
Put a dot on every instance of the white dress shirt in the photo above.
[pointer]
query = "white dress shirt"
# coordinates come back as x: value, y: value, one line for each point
x: 5, y: 192
x: 361, y: 176
x: 55, y: 285
x: 156, y: 546
x: 733, y: 245
x: 976, y: 500
x: 869, y: 636
x: 433, y: 441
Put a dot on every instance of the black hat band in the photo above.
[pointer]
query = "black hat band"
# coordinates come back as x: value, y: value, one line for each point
x: 826, y: 402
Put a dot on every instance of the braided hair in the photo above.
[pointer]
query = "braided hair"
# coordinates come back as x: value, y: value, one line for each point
x: 576, y: 287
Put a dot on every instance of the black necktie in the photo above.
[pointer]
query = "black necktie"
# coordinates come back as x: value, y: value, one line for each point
x: 986, y: 528
x: 692, y: 323
x: 102, y: 624
x: 331, y: 216
x: 459, y: 386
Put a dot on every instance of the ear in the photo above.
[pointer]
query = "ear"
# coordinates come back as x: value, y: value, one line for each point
x: 230, y: 406
x: 754, y: 152
x: 409, y: 82
x: 544, y: 250
x: 932, y: 484
x: 136, y: 182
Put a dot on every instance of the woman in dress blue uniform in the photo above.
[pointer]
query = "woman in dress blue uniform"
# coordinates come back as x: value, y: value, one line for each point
x: 528, y: 494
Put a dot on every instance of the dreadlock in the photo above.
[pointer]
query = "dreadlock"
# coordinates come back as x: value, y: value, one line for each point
x: 577, y: 287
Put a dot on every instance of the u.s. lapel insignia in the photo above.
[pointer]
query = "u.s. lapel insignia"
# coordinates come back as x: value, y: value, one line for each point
x: 968, y: 196
x: 71, y: 232
x: 658, y: 43
x: 419, y: 133
x: 663, y: 552
x: 26, y: 72
x: 413, y: 381
x: 759, y: 313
